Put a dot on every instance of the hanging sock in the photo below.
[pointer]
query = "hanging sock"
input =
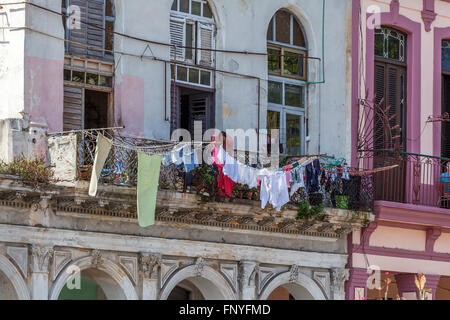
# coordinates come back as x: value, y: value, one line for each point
x: 101, y: 154
x: 148, y: 179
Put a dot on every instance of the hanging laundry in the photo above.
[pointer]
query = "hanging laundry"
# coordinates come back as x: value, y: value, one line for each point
x: 231, y: 169
x: 247, y: 175
x: 274, y: 190
x: 147, y: 187
x: 225, y: 184
x: 101, y: 154
x: 190, y: 160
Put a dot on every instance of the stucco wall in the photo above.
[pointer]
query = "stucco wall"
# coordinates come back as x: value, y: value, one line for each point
x: 34, y: 64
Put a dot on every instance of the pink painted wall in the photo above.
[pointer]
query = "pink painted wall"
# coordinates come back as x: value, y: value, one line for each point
x: 44, y: 91
x: 417, y: 19
x: 129, y: 104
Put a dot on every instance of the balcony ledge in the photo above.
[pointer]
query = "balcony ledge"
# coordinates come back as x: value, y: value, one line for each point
x: 119, y: 203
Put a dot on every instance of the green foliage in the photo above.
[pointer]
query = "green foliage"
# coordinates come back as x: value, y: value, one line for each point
x: 342, y: 202
x: 305, y: 210
x: 33, y: 171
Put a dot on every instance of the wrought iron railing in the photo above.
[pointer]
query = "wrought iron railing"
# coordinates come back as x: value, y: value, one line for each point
x: 417, y: 179
x: 121, y: 169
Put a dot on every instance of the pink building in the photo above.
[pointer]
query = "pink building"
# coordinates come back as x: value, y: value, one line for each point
x: 401, y: 94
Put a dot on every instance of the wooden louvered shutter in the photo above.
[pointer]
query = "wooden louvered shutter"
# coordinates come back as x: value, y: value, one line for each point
x: 445, y: 145
x: 73, y: 117
x: 78, y: 35
x: 205, y: 41
x: 380, y: 89
x: 96, y: 24
x: 199, y: 110
x: 175, y: 108
x: 177, y: 38
x: 395, y: 94
x: 91, y: 34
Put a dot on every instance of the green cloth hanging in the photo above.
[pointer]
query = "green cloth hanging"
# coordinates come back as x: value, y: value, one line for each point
x: 147, y: 188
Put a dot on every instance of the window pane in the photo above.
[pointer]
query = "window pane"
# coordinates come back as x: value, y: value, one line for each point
x: 189, y: 41
x: 293, y: 95
x: 293, y: 63
x: 275, y: 92
x: 184, y: 6
x: 273, y: 120
x: 196, y: 8
x: 91, y: 79
x: 293, y: 134
x: 207, y: 11
x: 175, y: 5
x: 394, y: 48
x: 299, y: 39
x: 274, y: 60
x: 67, y: 75
x: 193, y: 75
x: 205, y: 78
x: 78, y: 76
x: 446, y: 55
x: 283, y: 26
x: 379, y: 45
x: 270, y: 31
x: 105, y: 81
x: 182, y: 73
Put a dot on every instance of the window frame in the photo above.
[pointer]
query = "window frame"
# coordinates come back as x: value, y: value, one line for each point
x: 290, y: 49
x: 284, y: 109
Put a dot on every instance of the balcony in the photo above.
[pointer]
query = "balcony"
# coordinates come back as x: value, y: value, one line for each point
x: 418, y: 179
x: 185, y: 200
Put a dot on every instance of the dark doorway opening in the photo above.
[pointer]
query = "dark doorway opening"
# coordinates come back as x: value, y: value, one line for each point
x: 192, y: 105
x: 96, y: 109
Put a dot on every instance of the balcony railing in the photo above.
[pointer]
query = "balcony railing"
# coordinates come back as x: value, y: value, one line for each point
x: 417, y: 179
x: 121, y: 169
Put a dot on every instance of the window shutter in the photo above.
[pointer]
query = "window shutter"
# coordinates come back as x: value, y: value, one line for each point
x: 96, y: 24
x: 78, y: 35
x: 205, y: 41
x: 380, y: 77
x: 73, y: 117
x: 445, y: 148
x: 91, y: 33
x: 177, y: 35
x: 175, y: 108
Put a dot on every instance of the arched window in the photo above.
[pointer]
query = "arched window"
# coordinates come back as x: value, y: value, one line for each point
x: 287, y: 49
x: 94, y: 32
x: 390, y: 84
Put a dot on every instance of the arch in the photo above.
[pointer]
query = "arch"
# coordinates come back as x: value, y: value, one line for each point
x: 211, y: 284
x: 110, y: 268
x: 302, y: 287
x: 305, y: 24
x: 15, y: 277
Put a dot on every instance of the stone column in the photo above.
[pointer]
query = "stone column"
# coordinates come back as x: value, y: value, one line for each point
x: 356, y: 286
x: 338, y: 278
x: 247, y: 283
x: 40, y: 263
x: 407, y: 287
x: 150, y: 264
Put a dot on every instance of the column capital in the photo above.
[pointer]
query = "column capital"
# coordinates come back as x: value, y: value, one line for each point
x: 41, y: 256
